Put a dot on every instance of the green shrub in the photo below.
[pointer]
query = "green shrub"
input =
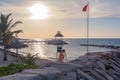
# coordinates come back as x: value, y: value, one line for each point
x: 11, y: 69
x: 27, y: 62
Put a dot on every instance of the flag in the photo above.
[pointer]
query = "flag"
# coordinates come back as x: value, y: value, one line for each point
x: 85, y: 8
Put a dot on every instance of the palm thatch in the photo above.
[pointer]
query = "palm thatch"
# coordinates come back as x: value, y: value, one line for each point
x: 58, y: 34
x: 57, y: 42
x: 16, y: 44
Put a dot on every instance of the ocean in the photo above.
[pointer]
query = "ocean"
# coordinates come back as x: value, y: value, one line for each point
x: 73, y: 49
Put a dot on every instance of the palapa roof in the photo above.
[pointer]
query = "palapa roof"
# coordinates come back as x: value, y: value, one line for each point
x: 16, y: 44
x: 58, y: 34
x: 57, y: 42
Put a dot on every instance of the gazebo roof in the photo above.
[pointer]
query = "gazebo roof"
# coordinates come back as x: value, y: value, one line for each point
x: 58, y: 34
x: 57, y: 42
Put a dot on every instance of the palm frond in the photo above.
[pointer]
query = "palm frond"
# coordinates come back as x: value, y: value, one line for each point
x: 9, y: 23
x: 13, y: 25
x: 7, y: 17
x: 3, y: 23
x: 2, y: 18
x: 17, y: 31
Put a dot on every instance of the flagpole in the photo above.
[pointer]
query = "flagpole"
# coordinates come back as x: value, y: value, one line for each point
x: 88, y: 28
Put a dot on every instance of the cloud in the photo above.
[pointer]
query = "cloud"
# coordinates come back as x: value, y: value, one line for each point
x: 18, y: 12
x: 108, y: 8
x: 62, y: 9
x: 73, y: 9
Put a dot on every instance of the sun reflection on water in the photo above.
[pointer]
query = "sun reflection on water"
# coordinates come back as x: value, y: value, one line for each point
x: 39, y: 49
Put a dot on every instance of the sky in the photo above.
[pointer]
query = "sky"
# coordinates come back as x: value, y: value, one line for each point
x: 65, y: 16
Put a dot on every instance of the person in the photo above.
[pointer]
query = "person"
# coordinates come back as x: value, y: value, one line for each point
x: 61, y: 56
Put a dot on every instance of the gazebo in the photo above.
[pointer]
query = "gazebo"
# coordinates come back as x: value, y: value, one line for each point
x: 58, y: 41
x: 59, y: 36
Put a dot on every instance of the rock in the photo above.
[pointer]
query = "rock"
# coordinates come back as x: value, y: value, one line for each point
x: 85, y: 75
x: 101, y: 65
x: 35, y: 74
x: 115, y: 72
x: 115, y: 68
x: 65, y: 67
x: 69, y: 76
x: 113, y: 75
x: 114, y: 62
x: 103, y: 73
x: 96, y: 75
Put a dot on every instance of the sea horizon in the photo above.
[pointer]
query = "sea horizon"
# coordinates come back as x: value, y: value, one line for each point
x: 64, y: 38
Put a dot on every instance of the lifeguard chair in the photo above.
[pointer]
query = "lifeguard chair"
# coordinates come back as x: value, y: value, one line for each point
x: 59, y: 42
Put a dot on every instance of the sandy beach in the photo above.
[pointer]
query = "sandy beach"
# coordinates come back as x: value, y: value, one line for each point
x: 11, y: 59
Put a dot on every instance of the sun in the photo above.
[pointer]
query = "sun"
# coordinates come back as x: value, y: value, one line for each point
x: 39, y: 11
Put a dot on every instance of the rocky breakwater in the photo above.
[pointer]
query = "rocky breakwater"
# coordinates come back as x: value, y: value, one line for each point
x: 92, y: 66
x: 103, y: 46
x: 99, y: 66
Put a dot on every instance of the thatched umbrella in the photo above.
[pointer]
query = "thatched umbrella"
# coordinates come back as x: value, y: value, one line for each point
x: 58, y: 34
x: 57, y: 42
x: 15, y: 44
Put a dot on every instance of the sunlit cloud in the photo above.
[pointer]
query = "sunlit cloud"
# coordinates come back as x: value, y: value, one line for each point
x: 64, y: 9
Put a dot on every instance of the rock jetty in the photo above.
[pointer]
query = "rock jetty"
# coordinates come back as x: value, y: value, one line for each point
x: 104, y: 46
x: 99, y: 66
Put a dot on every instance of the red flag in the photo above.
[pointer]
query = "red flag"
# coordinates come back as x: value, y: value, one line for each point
x: 85, y: 8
